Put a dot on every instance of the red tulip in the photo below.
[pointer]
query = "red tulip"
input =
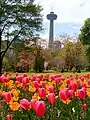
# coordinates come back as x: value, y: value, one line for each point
x: 82, y: 79
x: 9, y: 117
x: 33, y: 103
x: 43, y: 83
x: 68, y: 81
x: 25, y: 81
x: 63, y: 95
x: 19, y: 78
x: 51, y: 89
x: 84, y: 106
x: 42, y: 92
x: 46, y: 76
x: 84, y: 85
x: 52, y: 98
x: 81, y: 93
x: 40, y: 108
x: 25, y: 75
x: 33, y: 77
x: 7, y: 97
x: 16, y: 73
x: 36, y: 84
x: 76, y: 77
x: 25, y: 104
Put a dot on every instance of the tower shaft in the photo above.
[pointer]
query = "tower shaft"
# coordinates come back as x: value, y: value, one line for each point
x: 51, y: 35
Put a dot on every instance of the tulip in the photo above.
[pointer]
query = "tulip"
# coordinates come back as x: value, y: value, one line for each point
x: 51, y: 89
x: 25, y: 81
x: 73, y: 86
x: 81, y: 93
x: 16, y: 73
x: 63, y: 95
x: 62, y: 78
x: 42, y: 92
x: 7, y: 97
x: 19, y: 78
x: 9, y: 117
x: 76, y: 76
x: 25, y: 75
x: 33, y: 103
x: 25, y: 104
x: 51, y: 98
x: 40, y: 108
x: 68, y: 81
x: 71, y: 93
x: 43, y: 83
x: 36, y: 84
x: 88, y: 82
x: 57, y: 80
x: 53, y: 77
x: 84, y: 85
x: 33, y: 77
x: 84, y: 106
x: 82, y: 79
x: 37, y: 79
x: 3, y: 79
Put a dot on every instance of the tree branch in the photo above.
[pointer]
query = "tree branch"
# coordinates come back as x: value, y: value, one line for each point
x: 4, y: 52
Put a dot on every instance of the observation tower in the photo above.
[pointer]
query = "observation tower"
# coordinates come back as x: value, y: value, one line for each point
x: 51, y: 16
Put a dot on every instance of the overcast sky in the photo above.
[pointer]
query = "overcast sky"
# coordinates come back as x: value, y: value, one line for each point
x: 68, y: 11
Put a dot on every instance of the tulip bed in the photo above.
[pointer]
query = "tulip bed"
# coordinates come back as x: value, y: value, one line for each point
x: 44, y: 97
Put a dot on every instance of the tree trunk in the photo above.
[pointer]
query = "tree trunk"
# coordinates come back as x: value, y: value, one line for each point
x: 0, y: 54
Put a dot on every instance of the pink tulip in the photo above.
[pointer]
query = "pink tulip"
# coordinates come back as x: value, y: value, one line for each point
x: 51, y: 89
x: 42, y: 92
x: 37, y: 79
x: 81, y: 93
x: 71, y: 93
x: 84, y: 106
x: 40, y: 108
x: 51, y: 98
x: 3, y: 79
x: 25, y: 104
x: 57, y: 80
x: 73, y: 86
x: 25, y: 81
x: 88, y: 82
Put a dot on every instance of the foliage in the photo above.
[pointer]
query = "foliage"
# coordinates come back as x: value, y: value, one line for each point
x: 84, y: 36
x: 17, y: 20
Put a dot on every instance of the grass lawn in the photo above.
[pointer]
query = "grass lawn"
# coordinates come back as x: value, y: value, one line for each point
x: 65, y: 73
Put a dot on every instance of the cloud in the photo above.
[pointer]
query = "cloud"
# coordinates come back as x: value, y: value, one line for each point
x: 75, y: 11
